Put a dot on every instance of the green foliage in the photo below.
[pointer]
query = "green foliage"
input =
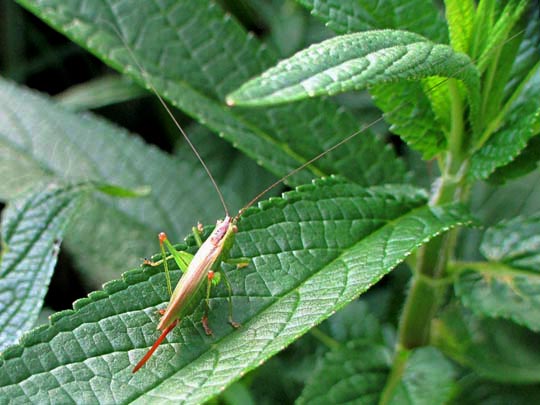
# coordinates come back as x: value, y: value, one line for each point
x: 32, y: 230
x: 295, y: 244
x: 494, y: 349
x: 457, y: 86
x: 508, y: 285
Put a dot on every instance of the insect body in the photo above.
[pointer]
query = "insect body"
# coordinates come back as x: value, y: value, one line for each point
x: 201, y: 269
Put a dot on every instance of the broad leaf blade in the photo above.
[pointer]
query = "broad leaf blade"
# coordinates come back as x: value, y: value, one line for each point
x: 414, y: 121
x: 32, y: 230
x: 193, y: 54
x: 311, y: 252
x: 354, y: 62
x: 347, y: 16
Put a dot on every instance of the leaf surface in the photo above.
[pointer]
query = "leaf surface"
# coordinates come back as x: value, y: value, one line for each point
x: 311, y: 252
x: 495, y: 349
x: 460, y: 17
x: 414, y: 121
x: 193, y: 54
x: 427, y: 378
x: 45, y: 143
x: 523, y: 122
x: 354, y: 62
x: 357, y: 371
x: 32, y: 230
x: 347, y: 16
x: 508, y: 285
x: 475, y: 390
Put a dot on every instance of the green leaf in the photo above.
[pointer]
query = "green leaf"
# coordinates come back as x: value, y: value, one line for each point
x: 180, y: 47
x: 311, y: 252
x: 476, y: 391
x: 526, y: 162
x: 427, y: 378
x: 358, y: 371
x: 355, y: 372
x: 414, y: 122
x: 496, y: 349
x: 498, y: 32
x: 515, y: 243
x: 44, y: 143
x: 508, y: 286
x: 523, y: 122
x: 117, y: 191
x: 32, y: 230
x: 355, y: 322
x: 347, y: 16
x: 492, y: 204
x: 501, y: 292
x: 460, y: 17
x: 529, y: 49
x: 354, y: 62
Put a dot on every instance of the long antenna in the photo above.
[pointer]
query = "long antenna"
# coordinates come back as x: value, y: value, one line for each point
x: 351, y: 136
x: 171, y: 115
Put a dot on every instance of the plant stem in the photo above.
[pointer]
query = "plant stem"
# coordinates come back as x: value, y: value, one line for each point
x: 426, y: 290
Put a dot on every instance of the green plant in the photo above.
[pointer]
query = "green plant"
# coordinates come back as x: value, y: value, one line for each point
x: 466, y: 327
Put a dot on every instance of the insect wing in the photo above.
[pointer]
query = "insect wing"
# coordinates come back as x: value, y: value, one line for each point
x: 186, y: 292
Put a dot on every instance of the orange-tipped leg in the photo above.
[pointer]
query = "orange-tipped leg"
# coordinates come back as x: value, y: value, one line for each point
x: 154, y: 346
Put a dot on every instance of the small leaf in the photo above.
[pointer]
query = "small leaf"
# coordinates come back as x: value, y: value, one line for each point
x: 117, y: 191
x: 312, y: 251
x: 508, y: 286
x: 427, y: 378
x: 355, y: 372
x: 32, y: 230
x: 496, y: 349
x: 354, y: 62
x: 99, y: 92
